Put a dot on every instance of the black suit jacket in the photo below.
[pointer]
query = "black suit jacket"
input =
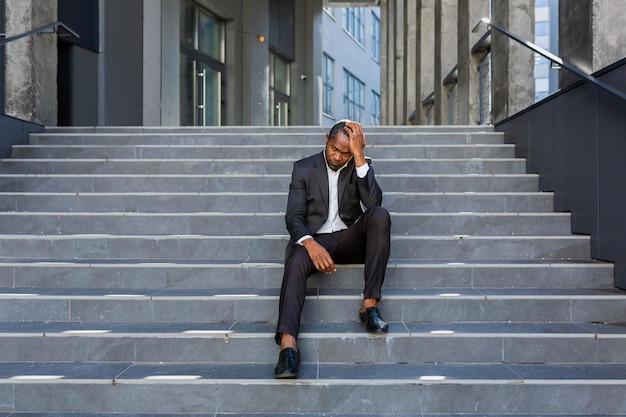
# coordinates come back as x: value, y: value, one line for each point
x: 307, y: 204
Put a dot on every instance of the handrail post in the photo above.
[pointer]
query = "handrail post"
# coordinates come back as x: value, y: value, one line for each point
x: 553, y: 58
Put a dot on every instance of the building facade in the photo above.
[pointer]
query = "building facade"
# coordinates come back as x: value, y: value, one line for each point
x: 351, y: 64
x: 439, y: 66
x: 293, y: 62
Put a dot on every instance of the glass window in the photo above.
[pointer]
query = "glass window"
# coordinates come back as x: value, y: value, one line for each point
x: 353, y: 22
x: 376, y: 37
x: 353, y: 97
x: 210, y: 36
x: 328, y: 75
x: 187, y: 26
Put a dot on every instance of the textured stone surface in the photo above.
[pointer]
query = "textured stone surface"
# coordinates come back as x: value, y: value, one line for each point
x: 31, y: 62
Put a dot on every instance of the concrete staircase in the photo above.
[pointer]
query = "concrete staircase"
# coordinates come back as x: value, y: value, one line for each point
x: 140, y: 267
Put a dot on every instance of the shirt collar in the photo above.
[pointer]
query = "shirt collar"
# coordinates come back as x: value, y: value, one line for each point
x: 340, y: 168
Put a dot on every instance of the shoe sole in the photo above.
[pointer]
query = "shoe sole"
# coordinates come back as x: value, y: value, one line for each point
x: 286, y: 375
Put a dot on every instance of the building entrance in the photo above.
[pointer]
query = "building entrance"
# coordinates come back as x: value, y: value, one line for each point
x: 202, y: 67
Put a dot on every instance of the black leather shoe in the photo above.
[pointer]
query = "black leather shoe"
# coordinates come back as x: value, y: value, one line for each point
x: 288, y: 363
x: 373, y: 321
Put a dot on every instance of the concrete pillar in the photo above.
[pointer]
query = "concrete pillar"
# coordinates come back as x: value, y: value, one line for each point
x: 591, y: 35
x: 426, y: 58
x: 468, y: 88
x: 31, y: 62
x: 512, y: 64
x: 384, y: 63
x: 411, y: 49
x: 306, y: 71
x: 399, y: 59
x: 446, y: 44
x: 388, y: 64
x: 256, y: 71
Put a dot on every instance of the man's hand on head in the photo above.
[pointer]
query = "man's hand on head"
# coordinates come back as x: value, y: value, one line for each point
x: 357, y: 142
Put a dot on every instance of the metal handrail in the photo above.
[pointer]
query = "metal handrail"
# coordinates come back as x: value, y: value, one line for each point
x: 43, y: 29
x: 553, y: 58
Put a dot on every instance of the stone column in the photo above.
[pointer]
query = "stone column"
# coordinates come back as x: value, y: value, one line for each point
x: 255, y: 77
x: 446, y: 44
x: 384, y: 63
x: 468, y: 88
x: 306, y: 72
x: 512, y: 64
x: 399, y: 60
x: 411, y: 50
x: 591, y: 35
x: 31, y: 62
x: 425, y: 67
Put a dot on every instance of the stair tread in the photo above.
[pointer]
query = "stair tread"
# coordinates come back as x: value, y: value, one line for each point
x: 447, y: 293
x: 234, y: 373
x: 310, y: 329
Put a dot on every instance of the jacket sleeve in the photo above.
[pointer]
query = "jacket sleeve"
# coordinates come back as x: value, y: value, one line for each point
x: 295, y: 217
x: 369, y: 191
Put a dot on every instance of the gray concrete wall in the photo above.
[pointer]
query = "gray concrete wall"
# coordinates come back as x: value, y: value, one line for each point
x: 306, y: 73
x: 31, y: 62
x: 123, y: 62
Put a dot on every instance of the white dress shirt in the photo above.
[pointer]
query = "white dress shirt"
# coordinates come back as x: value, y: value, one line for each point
x: 333, y: 222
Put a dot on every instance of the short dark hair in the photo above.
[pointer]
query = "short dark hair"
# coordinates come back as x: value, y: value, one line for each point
x: 339, y: 126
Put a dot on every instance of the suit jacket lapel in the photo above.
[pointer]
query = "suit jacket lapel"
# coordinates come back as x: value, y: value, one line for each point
x: 322, y: 176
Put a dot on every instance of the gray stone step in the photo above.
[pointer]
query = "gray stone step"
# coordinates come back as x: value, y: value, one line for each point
x: 263, y: 183
x: 325, y: 305
x: 272, y: 247
x: 534, y: 224
x: 252, y: 166
x: 140, y: 269
x: 438, y: 129
x: 277, y: 137
x: 321, y: 343
x: 263, y: 202
x: 291, y: 415
x: 350, y: 389
x: 251, y: 151
x: 139, y: 274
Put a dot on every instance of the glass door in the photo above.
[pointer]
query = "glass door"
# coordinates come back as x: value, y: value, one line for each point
x: 201, y: 67
x: 280, y: 91
x: 200, y: 90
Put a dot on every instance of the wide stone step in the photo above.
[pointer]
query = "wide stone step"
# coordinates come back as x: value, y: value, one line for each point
x: 272, y: 247
x: 262, y: 183
x: 534, y: 224
x: 279, y: 137
x: 263, y: 202
x: 322, y: 343
x: 139, y: 274
x: 404, y: 129
x: 350, y: 389
x: 237, y: 166
x: 404, y: 305
x: 254, y: 151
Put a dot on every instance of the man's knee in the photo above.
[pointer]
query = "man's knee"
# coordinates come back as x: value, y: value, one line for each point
x: 297, y: 259
x: 380, y: 216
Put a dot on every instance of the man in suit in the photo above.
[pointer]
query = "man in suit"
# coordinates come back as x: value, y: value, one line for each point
x: 334, y: 216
